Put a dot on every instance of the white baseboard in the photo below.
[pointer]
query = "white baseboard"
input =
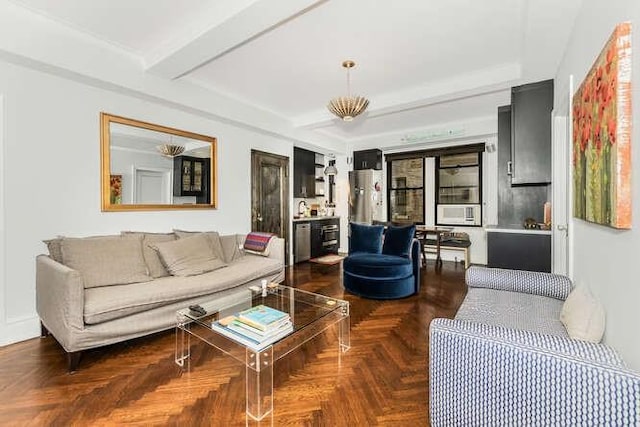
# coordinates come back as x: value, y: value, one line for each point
x: 19, y: 330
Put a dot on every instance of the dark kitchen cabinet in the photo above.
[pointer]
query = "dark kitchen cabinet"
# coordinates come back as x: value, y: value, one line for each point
x: 519, y: 251
x: 531, y: 106
x: 515, y: 203
x: 367, y: 159
x: 316, y: 239
x: 190, y: 176
x: 304, y: 173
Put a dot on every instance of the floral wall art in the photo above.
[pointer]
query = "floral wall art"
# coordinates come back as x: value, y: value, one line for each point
x: 602, y: 136
x: 115, y: 184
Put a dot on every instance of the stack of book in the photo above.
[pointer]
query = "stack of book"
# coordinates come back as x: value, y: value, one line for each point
x: 256, y: 327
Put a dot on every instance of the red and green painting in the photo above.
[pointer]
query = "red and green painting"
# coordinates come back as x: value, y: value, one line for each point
x: 602, y: 136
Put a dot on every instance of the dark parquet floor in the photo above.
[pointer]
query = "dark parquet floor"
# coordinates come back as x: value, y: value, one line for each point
x: 381, y: 381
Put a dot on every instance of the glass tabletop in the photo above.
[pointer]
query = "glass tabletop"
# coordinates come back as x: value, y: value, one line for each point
x: 310, y: 315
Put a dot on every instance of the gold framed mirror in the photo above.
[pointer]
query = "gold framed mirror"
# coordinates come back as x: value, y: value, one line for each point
x: 145, y: 166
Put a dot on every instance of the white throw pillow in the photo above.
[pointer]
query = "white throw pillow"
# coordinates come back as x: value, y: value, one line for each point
x: 583, y: 316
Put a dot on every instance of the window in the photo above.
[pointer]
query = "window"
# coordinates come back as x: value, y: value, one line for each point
x: 406, y: 191
x: 459, y: 189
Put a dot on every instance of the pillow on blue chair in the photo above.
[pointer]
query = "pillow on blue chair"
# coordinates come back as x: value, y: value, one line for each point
x: 397, y: 240
x: 365, y: 238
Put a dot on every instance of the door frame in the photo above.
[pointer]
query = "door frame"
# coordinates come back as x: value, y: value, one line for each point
x: 167, y: 179
x: 562, y: 184
x: 285, y: 218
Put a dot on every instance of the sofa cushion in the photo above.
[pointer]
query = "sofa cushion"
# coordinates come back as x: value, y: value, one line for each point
x: 189, y: 256
x: 151, y: 256
x: 583, y: 316
x: 112, y: 302
x: 365, y: 238
x: 54, y: 246
x: 514, y: 310
x: 397, y: 240
x: 378, y: 266
x: 106, y: 260
x: 212, y: 236
x: 231, y: 245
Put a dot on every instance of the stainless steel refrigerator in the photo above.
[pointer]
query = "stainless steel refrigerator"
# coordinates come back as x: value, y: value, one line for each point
x: 365, y: 196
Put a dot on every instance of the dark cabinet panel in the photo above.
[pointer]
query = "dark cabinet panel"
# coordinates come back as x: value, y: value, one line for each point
x: 304, y: 173
x: 515, y: 203
x: 316, y: 239
x: 190, y: 175
x: 519, y: 251
x: 531, y: 107
x: 367, y: 159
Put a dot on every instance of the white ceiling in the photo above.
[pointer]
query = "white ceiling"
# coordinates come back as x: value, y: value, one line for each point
x: 420, y: 62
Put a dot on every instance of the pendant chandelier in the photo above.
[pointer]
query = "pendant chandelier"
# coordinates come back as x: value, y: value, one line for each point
x: 169, y: 150
x: 348, y: 107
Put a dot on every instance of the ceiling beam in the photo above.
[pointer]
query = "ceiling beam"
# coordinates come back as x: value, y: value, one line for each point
x: 256, y: 19
x: 457, y: 87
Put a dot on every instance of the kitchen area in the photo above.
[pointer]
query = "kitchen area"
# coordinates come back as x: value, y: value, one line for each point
x: 522, y: 237
x: 519, y: 239
x: 316, y: 228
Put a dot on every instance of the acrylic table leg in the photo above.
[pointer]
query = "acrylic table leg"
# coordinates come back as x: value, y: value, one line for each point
x: 344, y: 332
x: 259, y: 382
x: 344, y: 338
x: 183, y: 345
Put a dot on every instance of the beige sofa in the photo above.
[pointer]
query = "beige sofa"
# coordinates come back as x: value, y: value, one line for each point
x: 97, y: 291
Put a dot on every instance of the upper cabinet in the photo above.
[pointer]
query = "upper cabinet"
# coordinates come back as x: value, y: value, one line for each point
x: 189, y: 176
x: 367, y: 159
x: 531, y: 107
x: 515, y: 202
x: 304, y: 173
x: 319, y: 174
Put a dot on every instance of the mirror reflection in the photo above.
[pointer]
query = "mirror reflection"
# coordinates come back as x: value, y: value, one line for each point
x: 147, y: 166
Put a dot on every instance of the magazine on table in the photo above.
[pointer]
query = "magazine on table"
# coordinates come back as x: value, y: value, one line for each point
x: 263, y: 317
x: 243, y: 336
x: 255, y: 333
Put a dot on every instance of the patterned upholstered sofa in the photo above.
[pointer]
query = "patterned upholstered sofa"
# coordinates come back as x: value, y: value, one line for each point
x: 506, y: 359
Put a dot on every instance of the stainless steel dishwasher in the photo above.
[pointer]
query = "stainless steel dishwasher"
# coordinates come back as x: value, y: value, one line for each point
x: 302, y: 242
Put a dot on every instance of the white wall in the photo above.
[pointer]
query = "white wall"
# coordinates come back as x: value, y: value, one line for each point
x: 605, y: 260
x: 51, y: 154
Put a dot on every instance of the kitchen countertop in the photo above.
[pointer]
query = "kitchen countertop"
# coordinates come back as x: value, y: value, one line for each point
x: 314, y: 218
x: 514, y: 229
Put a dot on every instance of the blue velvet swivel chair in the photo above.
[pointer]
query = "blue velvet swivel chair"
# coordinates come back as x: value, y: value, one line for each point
x: 382, y: 270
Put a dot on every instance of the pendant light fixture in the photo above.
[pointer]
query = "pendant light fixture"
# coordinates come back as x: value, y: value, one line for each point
x: 348, y: 107
x: 331, y: 169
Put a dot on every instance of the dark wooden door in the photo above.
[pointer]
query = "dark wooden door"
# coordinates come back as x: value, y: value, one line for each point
x: 270, y: 195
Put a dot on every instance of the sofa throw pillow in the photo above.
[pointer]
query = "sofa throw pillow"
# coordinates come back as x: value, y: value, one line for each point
x: 365, y: 238
x: 258, y: 243
x: 397, y: 240
x: 189, y: 256
x: 231, y: 247
x: 212, y: 236
x: 151, y: 256
x: 55, y: 249
x: 106, y: 260
x: 583, y: 316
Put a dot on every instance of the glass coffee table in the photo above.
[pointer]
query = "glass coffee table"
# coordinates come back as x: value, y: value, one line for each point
x: 310, y: 313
